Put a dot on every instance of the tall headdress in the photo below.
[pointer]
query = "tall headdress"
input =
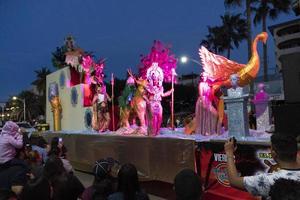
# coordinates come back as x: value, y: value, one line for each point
x: 161, y: 55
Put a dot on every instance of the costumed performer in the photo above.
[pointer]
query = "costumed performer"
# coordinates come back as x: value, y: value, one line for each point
x: 155, y: 91
x: 139, y: 103
x: 219, y: 71
x: 206, y: 115
x: 125, y: 101
x: 101, y: 117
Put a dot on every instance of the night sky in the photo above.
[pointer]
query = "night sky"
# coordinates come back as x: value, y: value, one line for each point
x: 118, y: 30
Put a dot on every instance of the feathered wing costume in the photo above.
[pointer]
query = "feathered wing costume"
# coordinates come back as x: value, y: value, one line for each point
x: 218, y: 69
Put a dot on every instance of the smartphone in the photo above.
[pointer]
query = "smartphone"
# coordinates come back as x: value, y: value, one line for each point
x: 60, y: 140
x: 234, y: 141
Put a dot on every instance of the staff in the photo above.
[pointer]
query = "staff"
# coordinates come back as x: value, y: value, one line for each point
x: 172, y: 107
x: 112, y: 101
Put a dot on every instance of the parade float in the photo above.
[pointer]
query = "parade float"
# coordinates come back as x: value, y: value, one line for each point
x: 160, y: 152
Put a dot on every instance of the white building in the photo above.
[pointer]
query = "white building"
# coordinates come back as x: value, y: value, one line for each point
x: 286, y: 38
x: 287, y: 50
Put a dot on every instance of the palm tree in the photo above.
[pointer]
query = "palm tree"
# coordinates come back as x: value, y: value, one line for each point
x: 269, y: 8
x: 214, y: 39
x: 58, y: 57
x: 233, y: 30
x: 40, y: 84
x: 248, y: 3
x: 231, y: 33
x: 40, y: 81
x: 239, y: 3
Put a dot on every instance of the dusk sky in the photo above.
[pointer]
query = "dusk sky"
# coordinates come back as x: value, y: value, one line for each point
x: 118, y: 30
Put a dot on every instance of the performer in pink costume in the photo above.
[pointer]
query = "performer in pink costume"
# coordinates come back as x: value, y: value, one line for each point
x: 158, y: 66
x: 155, y: 91
x: 206, y: 114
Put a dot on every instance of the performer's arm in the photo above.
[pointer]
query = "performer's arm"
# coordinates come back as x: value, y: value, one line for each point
x: 108, y: 97
x: 95, y: 98
x: 234, y: 178
x: 93, y: 80
x: 130, y: 74
x: 149, y: 90
x: 146, y: 98
x: 167, y: 93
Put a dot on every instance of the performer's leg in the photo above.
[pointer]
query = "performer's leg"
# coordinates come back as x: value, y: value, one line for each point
x: 106, y: 121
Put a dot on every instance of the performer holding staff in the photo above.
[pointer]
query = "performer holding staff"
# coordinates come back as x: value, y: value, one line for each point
x: 155, y: 91
x: 101, y: 117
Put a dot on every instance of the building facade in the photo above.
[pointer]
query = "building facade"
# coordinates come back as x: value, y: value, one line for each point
x: 287, y: 50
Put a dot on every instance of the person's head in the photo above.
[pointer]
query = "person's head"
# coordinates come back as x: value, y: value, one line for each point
x: 128, y: 182
x: 234, y: 80
x: 130, y: 81
x: 33, y: 157
x: 102, y: 183
x: 99, y: 89
x: 37, y: 189
x: 10, y: 128
x: 187, y: 185
x: 261, y: 87
x: 53, y: 167
x: 6, y: 194
x: 57, y: 147
x: 154, y: 79
x: 285, y: 189
x: 102, y: 169
x: 38, y: 141
x: 283, y: 147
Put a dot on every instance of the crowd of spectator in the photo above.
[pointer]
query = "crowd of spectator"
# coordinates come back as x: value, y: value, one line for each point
x: 30, y: 169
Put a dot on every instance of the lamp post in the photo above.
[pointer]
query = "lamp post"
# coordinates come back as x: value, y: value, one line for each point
x: 24, y: 105
x: 2, y: 105
x: 185, y: 59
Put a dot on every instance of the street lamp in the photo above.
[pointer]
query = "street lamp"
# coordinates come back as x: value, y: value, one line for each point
x: 24, y: 105
x: 185, y: 59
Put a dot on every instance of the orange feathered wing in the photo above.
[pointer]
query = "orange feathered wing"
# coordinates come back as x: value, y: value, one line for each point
x: 216, y: 67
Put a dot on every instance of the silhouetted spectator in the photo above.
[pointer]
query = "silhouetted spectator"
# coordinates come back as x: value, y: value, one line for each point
x: 103, y: 183
x: 58, y: 149
x: 35, y: 164
x: 39, y: 189
x: 65, y: 185
x: 11, y: 139
x: 187, y: 185
x: 285, y: 189
x: 40, y: 145
x: 128, y: 185
x: 6, y: 194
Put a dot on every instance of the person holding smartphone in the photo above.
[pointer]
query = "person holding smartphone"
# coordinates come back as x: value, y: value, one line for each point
x: 284, y: 153
x: 58, y: 149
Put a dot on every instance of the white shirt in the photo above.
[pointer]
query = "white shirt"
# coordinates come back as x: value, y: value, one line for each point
x: 260, y: 185
x: 100, y: 98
